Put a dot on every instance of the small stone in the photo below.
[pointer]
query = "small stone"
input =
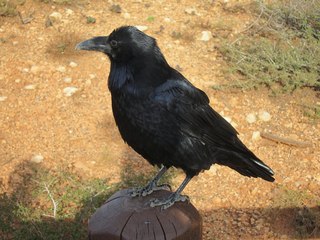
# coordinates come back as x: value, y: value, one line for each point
x: 167, y: 20
x: 126, y: 15
x: 30, y: 86
x: 216, y: 200
x: 34, y: 69
x: 92, y: 76
x: 251, y: 118
x: 14, y: 43
x: 25, y: 70
x: 115, y: 8
x: 69, y: 91
x: 142, y: 28
x: 205, y: 36
x: 37, y: 158
x: 67, y: 79
x: 3, y: 98
x: 73, y: 64
x: 264, y: 116
x: 256, y: 135
x: 191, y: 11
x: 55, y: 17
x: 69, y: 12
x: 61, y: 69
x: 17, y: 80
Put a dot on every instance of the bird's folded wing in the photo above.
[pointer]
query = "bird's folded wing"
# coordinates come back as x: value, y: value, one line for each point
x: 195, y: 118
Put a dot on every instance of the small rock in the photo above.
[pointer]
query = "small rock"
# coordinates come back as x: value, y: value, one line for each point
x: 126, y: 15
x: 256, y: 135
x: 37, y: 158
x: 216, y: 200
x: 3, y: 98
x: 142, y: 28
x: 55, y: 17
x: 69, y: 12
x: 191, y: 11
x: 205, y: 36
x: 69, y: 91
x: 115, y: 8
x: 34, y: 69
x: 167, y: 20
x: 61, y: 69
x: 14, y: 43
x: 67, y: 79
x: 30, y: 86
x: 17, y: 80
x: 264, y: 116
x: 92, y: 76
x: 73, y: 64
x: 25, y: 70
x: 251, y: 118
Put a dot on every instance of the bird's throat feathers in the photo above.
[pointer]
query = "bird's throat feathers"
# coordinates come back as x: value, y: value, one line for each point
x: 135, y: 76
x: 120, y: 75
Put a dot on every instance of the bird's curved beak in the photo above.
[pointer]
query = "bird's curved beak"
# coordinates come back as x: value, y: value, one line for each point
x: 100, y: 44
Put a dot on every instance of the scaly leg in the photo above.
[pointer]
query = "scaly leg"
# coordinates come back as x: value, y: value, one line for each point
x: 152, y: 185
x: 174, y: 197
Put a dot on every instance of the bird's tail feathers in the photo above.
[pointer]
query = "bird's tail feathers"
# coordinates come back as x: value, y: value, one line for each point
x: 251, y: 167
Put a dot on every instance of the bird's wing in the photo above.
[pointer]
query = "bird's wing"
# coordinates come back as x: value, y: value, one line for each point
x: 195, y: 118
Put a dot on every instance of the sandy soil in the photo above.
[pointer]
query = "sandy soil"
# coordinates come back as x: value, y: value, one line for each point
x: 39, y: 62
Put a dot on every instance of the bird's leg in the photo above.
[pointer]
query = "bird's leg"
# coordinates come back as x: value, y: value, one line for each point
x: 174, y: 197
x: 152, y: 185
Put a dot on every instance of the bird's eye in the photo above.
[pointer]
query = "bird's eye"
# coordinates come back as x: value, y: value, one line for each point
x: 114, y: 43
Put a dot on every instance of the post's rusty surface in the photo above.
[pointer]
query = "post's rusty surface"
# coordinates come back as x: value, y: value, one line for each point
x: 127, y: 218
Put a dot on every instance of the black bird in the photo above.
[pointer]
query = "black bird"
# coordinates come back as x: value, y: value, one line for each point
x: 164, y: 118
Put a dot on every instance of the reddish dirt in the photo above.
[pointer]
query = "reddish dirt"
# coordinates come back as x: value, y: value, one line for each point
x: 80, y: 130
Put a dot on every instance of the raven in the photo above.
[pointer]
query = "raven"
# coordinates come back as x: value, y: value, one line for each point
x: 164, y: 118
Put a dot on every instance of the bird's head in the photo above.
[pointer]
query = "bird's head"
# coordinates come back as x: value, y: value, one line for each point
x: 123, y: 45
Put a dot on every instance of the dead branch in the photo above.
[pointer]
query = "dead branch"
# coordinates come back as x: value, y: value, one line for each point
x: 286, y: 141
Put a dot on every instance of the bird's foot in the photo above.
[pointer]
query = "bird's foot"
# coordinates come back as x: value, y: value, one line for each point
x: 151, y: 187
x: 168, y: 202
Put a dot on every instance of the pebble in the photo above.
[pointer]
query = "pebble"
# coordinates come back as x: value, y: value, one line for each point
x: 34, y: 69
x: 69, y: 91
x: 3, y: 98
x: 92, y: 76
x: 37, y: 158
x: 126, y: 15
x: 67, y: 79
x: 69, y: 12
x: 61, y: 69
x: 30, y: 86
x: 256, y: 135
x: 167, y: 20
x: 251, y: 118
x: 55, y: 17
x: 17, y: 80
x: 205, y: 36
x: 191, y: 11
x: 14, y: 43
x: 264, y: 116
x: 142, y: 28
x: 73, y: 64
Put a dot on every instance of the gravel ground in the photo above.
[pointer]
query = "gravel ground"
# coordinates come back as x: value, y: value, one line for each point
x: 55, y: 108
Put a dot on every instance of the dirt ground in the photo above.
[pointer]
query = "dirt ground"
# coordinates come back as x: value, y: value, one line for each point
x: 37, y: 118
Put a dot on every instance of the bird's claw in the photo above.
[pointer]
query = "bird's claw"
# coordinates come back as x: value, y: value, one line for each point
x: 166, y: 203
x: 144, y: 191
